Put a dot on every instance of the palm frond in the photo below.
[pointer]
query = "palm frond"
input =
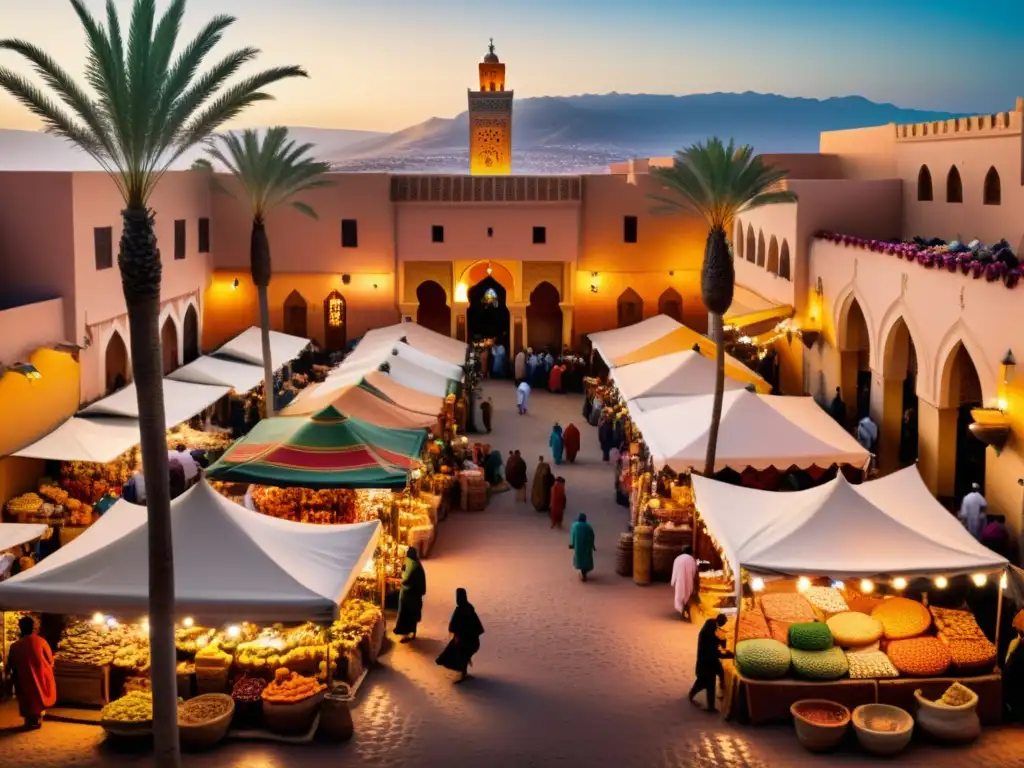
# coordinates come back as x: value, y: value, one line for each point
x: 304, y: 208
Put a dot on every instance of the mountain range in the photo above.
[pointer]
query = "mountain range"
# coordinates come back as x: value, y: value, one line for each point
x: 570, y: 134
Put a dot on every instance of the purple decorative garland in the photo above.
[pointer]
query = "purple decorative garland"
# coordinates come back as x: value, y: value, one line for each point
x: 932, y: 257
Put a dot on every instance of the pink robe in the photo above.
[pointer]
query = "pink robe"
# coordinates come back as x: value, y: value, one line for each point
x: 684, y: 572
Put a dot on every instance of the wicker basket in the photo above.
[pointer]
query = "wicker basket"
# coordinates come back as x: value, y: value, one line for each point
x: 292, y: 718
x: 122, y: 730
x: 205, y: 735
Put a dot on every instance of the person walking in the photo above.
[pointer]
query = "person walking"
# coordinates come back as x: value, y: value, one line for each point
x: 31, y: 663
x: 996, y: 536
x: 542, y: 482
x: 555, y: 378
x: 571, y: 438
x: 606, y: 436
x: 581, y: 542
x: 558, y: 502
x: 556, y: 443
x: 410, y: 598
x: 486, y: 412
x: 498, y: 361
x: 709, y: 661
x: 519, y: 368
x: 684, y: 573
x: 465, y: 630
x: 972, y: 511
x: 515, y: 473
x: 522, y: 396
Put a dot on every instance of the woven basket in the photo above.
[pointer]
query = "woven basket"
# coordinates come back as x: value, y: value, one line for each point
x: 292, y: 718
x: 205, y: 735
x: 122, y: 730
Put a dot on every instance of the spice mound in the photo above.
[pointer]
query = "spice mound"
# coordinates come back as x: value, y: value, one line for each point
x: 248, y: 689
x: 820, y: 714
x: 956, y: 696
x: 203, y: 709
x: 135, y: 707
x: 290, y: 688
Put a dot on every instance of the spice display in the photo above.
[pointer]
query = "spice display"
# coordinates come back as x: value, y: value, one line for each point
x: 819, y: 665
x: 956, y: 624
x: 134, y: 707
x: 826, y: 599
x: 290, y: 688
x: 956, y: 696
x: 791, y: 608
x: 863, y: 603
x: 325, y: 507
x: 89, y: 482
x: 762, y: 659
x: 920, y: 656
x: 213, y: 655
x: 133, y: 655
x: 883, y: 723
x: 26, y: 504
x: 248, y: 689
x: 822, y: 714
x: 868, y: 665
x: 203, y: 709
x: 190, y: 640
x: 902, y: 618
x: 300, y: 649
x: 972, y: 653
x: 753, y: 626
x: 852, y: 629
x: 779, y: 630
x: 197, y: 440
x: 87, y: 643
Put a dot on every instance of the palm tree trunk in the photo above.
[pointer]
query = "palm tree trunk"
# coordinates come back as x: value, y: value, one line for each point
x: 718, y: 336
x: 139, y: 261
x: 259, y: 265
x: 717, y: 283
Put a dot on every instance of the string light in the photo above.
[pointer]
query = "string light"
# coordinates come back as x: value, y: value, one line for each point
x: 941, y: 582
x: 867, y: 586
x: 757, y: 584
x: 803, y: 584
x: 899, y: 583
x: 979, y: 579
x: 837, y: 585
x: 188, y: 622
x: 97, y: 618
x: 111, y: 622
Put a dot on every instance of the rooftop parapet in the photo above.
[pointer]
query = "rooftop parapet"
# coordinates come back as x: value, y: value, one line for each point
x: 975, y: 126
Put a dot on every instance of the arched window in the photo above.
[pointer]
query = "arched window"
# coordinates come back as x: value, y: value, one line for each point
x: 784, y: 268
x: 773, y: 256
x: 631, y: 308
x: 760, y: 249
x: 296, y: 321
x: 924, y: 184
x: 335, y: 322
x: 751, y: 246
x: 116, y: 368
x: 954, y: 186
x: 993, y: 189
x: 191, y: 334
x: 670, y: 303
x: 739, y: 240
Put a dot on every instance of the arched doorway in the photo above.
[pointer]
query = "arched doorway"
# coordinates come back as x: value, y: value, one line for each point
x: 335, y: 322
x: 544, y: 318
x: 191, y: 334
x: 487, y: 316
x: 116, y: 363
x: 962, y: 386
x: 751, y: 248
x: 738, y: 243
x: 773, y: 256
x: 296, y: 321
x: 855, y: 357
x: 169, y: 345
x: 631, y: 308
x: 671, y: 303
x: 900, y: 364
x: 433, y: 311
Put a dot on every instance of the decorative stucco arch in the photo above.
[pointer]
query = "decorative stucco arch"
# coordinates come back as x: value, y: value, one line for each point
x: 169, y: 311
x: 958, y: 333
x: 477, y: 271
x: 881, y: 349
x: 841, y: 317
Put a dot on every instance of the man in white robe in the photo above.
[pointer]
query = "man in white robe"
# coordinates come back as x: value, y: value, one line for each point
x: 522, y: 396
x: 684, y: 574
x: 973, y: 511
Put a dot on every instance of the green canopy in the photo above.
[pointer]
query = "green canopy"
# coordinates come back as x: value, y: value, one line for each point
x: 326, y: 450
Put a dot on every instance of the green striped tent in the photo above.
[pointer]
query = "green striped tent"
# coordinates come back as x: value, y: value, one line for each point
x: 326, y: 450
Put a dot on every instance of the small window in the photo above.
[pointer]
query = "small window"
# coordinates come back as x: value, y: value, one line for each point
x: 540, y: 235
x: 954, y: 186
x: 924, y: 184
x: 629, y: 229
x: 349, y: 233
x: 103, y: 238
x: 993, y: 193
x: 179, y: 239
x: 204, y: 235
x: 437, y: 233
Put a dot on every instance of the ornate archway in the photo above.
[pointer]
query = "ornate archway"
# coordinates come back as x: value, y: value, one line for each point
x: 296, y: 319
x: 335, y: 322
x: 117, y: 372
x: 544, y: 318
x: 751, y: 247
x: 854, y: 342
x: 190, y: 334
x: 671, y: 303
x: 433, y: 311
x: 899, y: 363
x: 487, y: 316
x: 630, y: 308
x: 169, y: 345
x: 961, y: 390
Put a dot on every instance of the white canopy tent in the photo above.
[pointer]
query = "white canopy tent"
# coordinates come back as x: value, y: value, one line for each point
x: 757, y: 431
x: 383, y: 351
x: 99, y: 440
x: 886, y: 527
x: 182, y: 401
x: 220, y: 371
x: 247, y: 347
x: 676, y: 375
x: 279, y: 570
x: 621, y: 341
x: 450, y: 350
x: 15, y: 534
x: 402, y: 371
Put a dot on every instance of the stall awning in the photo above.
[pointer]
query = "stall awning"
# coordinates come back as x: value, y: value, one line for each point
x: 279, y: 570
x: 95, y: 439
x: 679, y: 374
x: 220, y: 371
x: 757, y: 431
x: 450, y: 350
x: 618, y: 342
x: 182, y: 401
x: 326, y: 450
x: 749, y: 308
x: 15, y: 534
x: 372, y: 354
x: 353, y: 398
x: 891, y: 526
x: 684, y: 339
x: 247, y: 347
x: 383, y: 385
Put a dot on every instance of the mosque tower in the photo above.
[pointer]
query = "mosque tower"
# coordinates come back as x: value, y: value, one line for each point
x: 490, y: 120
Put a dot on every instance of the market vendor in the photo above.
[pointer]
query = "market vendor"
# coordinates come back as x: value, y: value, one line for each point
x: 31, y: 663
x: 709, y: 660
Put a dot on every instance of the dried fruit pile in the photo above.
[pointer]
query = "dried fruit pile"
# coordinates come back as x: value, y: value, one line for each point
x: 852, y: 629
x: 920, y: 656
x: 203, y: 709
x: 290, y: 688
x: 135, y: 707
x: 956, y: 624
x: 902, y: 618
x: 791, y: 608
x: 248, y: 689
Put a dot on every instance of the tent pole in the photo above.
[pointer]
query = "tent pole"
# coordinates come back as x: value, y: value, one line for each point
x: 999, y: 617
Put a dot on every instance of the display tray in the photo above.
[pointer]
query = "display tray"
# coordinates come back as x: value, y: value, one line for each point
x: 82, y: 684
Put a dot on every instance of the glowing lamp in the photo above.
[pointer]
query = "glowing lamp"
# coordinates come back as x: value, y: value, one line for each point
x: 97, y: 618
x: 1001, y: 404
x: 803, y: 584
x: 111, y: 622
x: 234, y: 630
x: 1002, y: 581
x: 145, y: 626
x: 899, y: 583
x: 757, y: 584
x: 867, y: 586
x: 941, y: 582
x: 979, y: 579
x: 462, y: 292
x: 188, y: 622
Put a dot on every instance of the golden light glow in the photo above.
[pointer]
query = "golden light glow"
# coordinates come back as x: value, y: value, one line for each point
x: 234, y: 630
x: 188, y: 622
x: 1002, y: 581
x: 979, y: 579
x: 112, y: 622
x: 899, y: 583
x: 757, y: 584
x: 145, y: 626
x: 462, y: 292
x: 370, y: 566
x: 803, y: 584
x: 941, y: 582
x: 97, y: 618
x: 867, y: 586
x: 1001, y: 404
x: 335, y: 311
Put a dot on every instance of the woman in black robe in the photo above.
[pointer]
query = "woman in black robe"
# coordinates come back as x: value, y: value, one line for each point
x: 465, y: 629
x: 410, y: 598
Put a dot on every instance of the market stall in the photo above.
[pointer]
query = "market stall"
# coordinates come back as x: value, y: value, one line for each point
x: 851, y: 593
x: 373, y: 355
x: 679, y: 374
x: 616, y: 343
x: 247, y: 347
x: 423, y: 339
x: 355, y: 399
x: 280, y: 572
x: 220, y: 371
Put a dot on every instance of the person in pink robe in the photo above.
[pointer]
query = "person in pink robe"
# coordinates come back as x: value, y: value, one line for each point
x: 684, y: 574
x: 31, y: 661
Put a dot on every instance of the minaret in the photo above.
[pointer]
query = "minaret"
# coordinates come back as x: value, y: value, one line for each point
x: 490, y: 120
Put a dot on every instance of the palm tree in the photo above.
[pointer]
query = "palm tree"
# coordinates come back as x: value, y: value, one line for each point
x: 147, y: 103
x: 270, y: 173
x: 718, y: 182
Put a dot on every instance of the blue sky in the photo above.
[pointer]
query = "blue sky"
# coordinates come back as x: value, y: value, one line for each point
x: 387, y: 64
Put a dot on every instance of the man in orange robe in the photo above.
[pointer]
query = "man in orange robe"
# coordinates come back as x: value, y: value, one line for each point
x: 557, y: 509
x: 31, y: 663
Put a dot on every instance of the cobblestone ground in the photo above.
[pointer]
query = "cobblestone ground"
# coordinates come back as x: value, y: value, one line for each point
x: 573, y: 674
